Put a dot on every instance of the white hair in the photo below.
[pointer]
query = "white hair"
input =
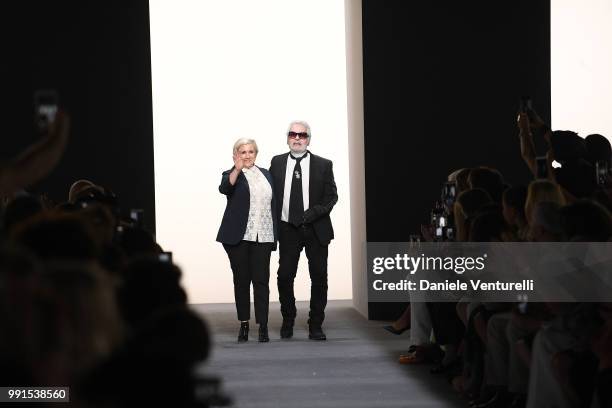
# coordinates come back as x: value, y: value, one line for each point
x: 245, y: 141
x: 300, y: 122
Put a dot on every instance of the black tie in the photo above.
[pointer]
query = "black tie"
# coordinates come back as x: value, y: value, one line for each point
x: 296, y: 200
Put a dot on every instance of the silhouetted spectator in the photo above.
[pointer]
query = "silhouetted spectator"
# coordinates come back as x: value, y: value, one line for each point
x: 149, y: 285
x: 586, y: 220
x: 55, y: 235
x: 489, y: 180
x: 540, y: 191
x: 76, y: 188
x: 489, y: 226
x: 546, y: 223
x: 136, y: 241
x: 513, y: 204
x: 598, y: 148
x: 20, y: 209
x: 466, y: 207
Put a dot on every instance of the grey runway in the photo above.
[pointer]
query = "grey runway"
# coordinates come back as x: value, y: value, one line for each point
x: 356, y: 367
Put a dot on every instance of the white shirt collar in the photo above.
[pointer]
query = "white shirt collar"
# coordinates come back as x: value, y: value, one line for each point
x: 252, y: 168
x: 298, y: 155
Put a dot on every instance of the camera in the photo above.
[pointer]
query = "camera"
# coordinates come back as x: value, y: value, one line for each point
x: 46, y: 102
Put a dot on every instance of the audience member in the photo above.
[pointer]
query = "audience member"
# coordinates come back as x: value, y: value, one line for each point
x: 513, y: 205
x: 37, y: 160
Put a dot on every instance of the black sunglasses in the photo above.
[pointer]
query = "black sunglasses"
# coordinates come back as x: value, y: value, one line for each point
x: 301, y: 135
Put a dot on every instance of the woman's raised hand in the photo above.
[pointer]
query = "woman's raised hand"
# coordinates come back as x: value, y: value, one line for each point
x: 238, y: 163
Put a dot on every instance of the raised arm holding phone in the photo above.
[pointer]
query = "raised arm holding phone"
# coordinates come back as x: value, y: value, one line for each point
x: 38, y: 159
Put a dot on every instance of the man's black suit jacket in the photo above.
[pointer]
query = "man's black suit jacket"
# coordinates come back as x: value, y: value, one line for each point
x: 321, y: 191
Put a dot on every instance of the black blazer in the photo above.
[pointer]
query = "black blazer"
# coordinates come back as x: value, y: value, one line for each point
x: 236, y: 215
x: 321, y: 191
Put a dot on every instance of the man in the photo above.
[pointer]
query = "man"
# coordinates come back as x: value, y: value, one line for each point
x: 304, y: 185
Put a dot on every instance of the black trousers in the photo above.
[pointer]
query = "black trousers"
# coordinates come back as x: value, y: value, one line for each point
x: 250, y: 262
x: 447, y: 326
x: 291, y: 241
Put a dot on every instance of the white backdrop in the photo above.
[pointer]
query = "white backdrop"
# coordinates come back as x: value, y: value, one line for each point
x: 222, y: 70
x: 581, y: 66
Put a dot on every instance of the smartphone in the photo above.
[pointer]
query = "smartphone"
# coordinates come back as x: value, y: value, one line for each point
x: 137, y: 215
x: 601, y: 172
x: 449, y: 192
x: 525, y: 104
x: 442, y: 221
x: 46, y: 103
x: 165, y: 257
x: 541, y: 167
x: 450, y: 234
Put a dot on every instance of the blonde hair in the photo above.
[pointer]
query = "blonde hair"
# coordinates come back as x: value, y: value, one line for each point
x: 245, y: 141
x: 540, y: 191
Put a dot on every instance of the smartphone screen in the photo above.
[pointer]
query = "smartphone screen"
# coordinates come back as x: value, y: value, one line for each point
x: 442, y: 221
x: 165, y: 257
x: 136, y: 215
x: 525, y: 104
x: 46, y: 102
x: 541, y: 167
x: 601, y: 172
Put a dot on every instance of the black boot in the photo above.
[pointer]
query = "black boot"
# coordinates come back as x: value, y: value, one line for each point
x: 315, y: 332
x: 263, y: 333
x: 286, y: 331
x: 243, y: 334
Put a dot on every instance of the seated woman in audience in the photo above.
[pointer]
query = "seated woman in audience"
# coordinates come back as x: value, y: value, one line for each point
x: 541, y: 191
x: 513, y: 205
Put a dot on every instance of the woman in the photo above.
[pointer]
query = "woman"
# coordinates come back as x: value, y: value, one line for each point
x: 541, y: 191
x: 248, y: 234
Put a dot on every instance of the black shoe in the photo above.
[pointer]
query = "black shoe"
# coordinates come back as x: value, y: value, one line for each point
x: 316, y: 333
x: 519, y: 401
x: 286, y: 331
x: 393, y: 330
x: 454, y: 367
x: 243, y: 334
x: 263, y: 333
x: 500, y: 400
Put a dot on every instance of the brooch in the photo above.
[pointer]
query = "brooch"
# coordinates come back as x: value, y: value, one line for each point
x: 297, y: 174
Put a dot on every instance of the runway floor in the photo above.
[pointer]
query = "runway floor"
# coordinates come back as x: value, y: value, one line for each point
x: 356, y: 367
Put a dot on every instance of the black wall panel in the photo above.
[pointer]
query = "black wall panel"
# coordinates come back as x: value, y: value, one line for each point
x: 441, y: 87
x: 97, y: 55
x: 442, y: 82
